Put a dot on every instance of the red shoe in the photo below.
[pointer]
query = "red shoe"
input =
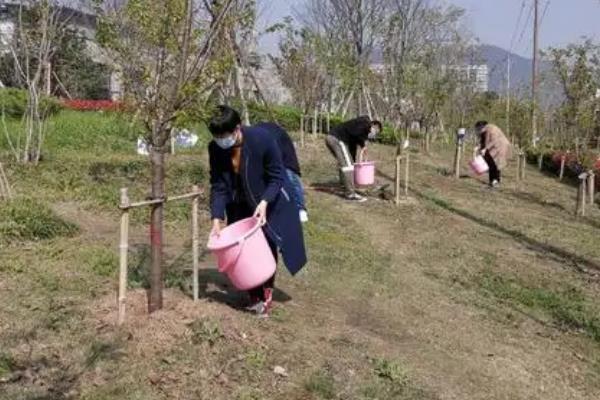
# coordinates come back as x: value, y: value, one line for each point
x: 264, y: 309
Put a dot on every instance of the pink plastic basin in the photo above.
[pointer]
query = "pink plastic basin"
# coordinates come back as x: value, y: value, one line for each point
x: 479, y: 166
x: 243, y: 254
x: 364, y: 173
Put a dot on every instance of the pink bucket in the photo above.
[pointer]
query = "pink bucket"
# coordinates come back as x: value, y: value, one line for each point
x: 479, y: 166
x: 243, y: 254
x: 364, y: 173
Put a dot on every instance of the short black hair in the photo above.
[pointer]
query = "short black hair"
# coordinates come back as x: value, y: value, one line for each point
x: 224, y: 120
x: 378, y: 124
x: 480, y: 124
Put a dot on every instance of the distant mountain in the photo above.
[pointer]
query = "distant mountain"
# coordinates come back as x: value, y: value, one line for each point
x: 520, y: 80
x: 495, y: 58
x: 520, y: 74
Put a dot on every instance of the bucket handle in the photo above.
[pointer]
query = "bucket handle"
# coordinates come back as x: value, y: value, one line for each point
x: 240, y: 245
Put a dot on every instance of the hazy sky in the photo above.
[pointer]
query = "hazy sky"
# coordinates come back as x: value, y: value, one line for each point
x: 494, y: 21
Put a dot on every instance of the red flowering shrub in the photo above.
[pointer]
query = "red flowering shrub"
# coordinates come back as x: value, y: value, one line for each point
x: 91, y: 105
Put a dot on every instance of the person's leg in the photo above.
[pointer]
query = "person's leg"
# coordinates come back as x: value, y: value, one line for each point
x: 344, y: 164
x: 494, y: 173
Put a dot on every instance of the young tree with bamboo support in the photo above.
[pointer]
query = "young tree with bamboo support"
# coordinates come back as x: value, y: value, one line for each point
x: 166, y: 54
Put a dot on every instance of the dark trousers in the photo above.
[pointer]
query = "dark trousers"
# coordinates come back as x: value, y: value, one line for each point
x: 494, y: 172
x: 342, y: 155
x: 237, y: 212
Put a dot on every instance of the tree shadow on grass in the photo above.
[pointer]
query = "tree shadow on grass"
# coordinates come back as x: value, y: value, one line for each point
x: 329, y: 187
x: 532, y: 198
x: 546, y: 250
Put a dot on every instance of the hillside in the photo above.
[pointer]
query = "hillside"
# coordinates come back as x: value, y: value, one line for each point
x: 458, y: 293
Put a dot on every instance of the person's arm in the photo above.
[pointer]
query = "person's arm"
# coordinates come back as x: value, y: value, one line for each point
x: 218, y: 190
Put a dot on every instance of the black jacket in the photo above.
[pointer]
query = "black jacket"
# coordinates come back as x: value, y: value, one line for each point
x: 353, y: 133
x: 288, y: 151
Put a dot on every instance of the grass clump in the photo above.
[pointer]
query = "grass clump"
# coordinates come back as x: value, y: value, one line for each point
x: 101, y: 261
x: 29, y: 220
x: 391, y: 371
x: 205, y: 331
x: 7, y: 364
x: 567, y: 308
x: 321, y: 384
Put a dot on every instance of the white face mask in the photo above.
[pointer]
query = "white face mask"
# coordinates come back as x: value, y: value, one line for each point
x: 373, y: 134
x: 226, y: 142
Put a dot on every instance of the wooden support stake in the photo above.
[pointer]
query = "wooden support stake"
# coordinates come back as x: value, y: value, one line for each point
x: 123, y: 247
x: 591, y: 187
x: 457, y: 156
x: 540, y: 161
x: 561, y: 174
x: 581, y: 195
x: 518, y: 174
x: 172, y: 144
x: 7, y: 193
x: 314, y: 122
x: 406, y: 172
x: 302, y: 130
x: 397, y: 186
x: 522, y: 164
x: 195, y: 241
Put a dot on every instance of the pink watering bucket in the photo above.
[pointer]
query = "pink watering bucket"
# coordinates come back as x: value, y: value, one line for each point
x: 479, y: 166
x: 364, y: 173
x: 243, y: 254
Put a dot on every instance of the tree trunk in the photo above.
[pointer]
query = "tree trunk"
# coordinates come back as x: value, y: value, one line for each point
x: 239, y: 86
x: 157, y: 160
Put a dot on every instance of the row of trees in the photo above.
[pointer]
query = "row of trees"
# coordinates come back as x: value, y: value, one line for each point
x: 407, y: 60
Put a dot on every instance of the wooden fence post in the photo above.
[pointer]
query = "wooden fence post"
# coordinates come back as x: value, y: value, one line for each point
x: 561, y: 174
x: 195, y: 241
x: 591, y: 187
x: 302, y: 130
x: 406, y: 172
x: 123, y: 247
x: 581, y: 195
x: 314, y: 122
x: 5, y: 191
x: 457, y: 156
x: 522, y: 164
x: 397, y: 186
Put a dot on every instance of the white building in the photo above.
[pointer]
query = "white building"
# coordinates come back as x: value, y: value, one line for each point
x: 81, y: 16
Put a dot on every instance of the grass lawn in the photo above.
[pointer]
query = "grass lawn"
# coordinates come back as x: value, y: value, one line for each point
x: 458, y: 293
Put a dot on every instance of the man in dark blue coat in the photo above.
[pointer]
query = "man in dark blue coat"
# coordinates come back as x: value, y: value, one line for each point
x: 247, y: 178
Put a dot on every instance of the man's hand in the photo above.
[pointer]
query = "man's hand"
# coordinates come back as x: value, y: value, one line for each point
x: 261, y: 212
x: 216, y: 228
x: 363, y: 152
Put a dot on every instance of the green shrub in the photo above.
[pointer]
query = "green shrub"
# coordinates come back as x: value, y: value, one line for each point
x: 28, y: 220
x: 14, y: 103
